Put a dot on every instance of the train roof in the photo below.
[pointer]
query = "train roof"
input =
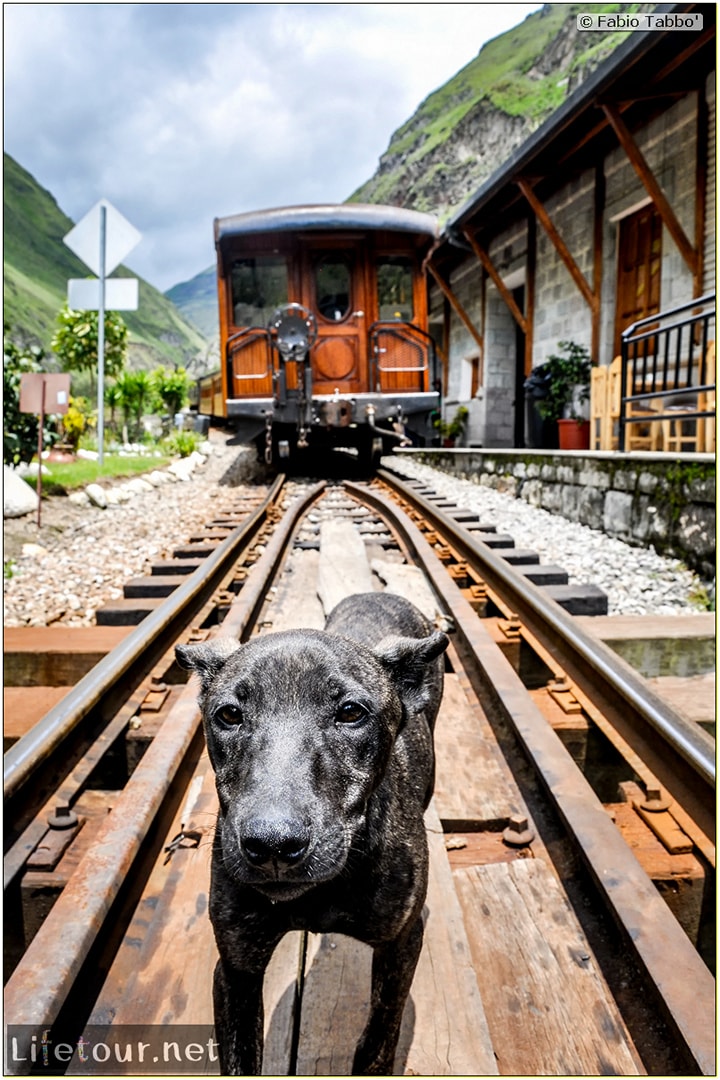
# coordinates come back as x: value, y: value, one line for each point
x: 327, y: 217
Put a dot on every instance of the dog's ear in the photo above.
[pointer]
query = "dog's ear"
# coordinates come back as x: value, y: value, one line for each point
x: 206, y: 658
x: 406, y: 660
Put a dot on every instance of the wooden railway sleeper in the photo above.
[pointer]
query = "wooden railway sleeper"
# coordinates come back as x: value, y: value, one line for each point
x: 657, y: 814
x: 559, y: 687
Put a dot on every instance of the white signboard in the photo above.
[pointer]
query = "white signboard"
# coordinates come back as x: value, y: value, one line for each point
x: 121, y: 294
x: 120, y: 238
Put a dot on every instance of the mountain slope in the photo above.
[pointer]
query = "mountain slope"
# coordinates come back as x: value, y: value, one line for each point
x: 37, y: 265
x: 464, y: 130
x: 197, y: 300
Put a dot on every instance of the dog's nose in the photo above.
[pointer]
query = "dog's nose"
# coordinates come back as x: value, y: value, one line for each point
x: 275, y: 843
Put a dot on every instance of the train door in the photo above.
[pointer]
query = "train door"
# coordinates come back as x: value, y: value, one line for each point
x: 334, y: 289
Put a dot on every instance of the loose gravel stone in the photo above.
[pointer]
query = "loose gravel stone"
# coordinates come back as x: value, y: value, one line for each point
x: 82, y: 555
x: 638, y: 581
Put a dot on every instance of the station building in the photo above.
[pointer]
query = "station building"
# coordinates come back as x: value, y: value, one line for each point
x: 605, y: 216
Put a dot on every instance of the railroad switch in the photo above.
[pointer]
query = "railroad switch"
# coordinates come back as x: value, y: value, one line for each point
x: 432, y: 537
x: 444, y: 553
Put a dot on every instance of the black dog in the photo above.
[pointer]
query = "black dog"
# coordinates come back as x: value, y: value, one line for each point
x: 321, y: 742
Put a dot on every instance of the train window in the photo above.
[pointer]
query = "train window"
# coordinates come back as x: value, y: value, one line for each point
x: 395, y: 288
x: 259, y: 286
x: 332, y: 287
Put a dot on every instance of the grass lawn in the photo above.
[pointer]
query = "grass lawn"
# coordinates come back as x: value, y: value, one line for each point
x: 64, y: 476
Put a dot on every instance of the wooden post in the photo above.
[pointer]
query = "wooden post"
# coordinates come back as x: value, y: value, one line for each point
x: 500, y: 285
x: 598, y: 210
x: 41, y: 425
x: 530, y: 291
x: 457, y: 306
x: 647, y: 179
x: 558, y: 243
x: 701, y: 155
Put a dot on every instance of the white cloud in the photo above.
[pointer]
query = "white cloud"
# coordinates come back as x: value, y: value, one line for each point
x: 180, y: 113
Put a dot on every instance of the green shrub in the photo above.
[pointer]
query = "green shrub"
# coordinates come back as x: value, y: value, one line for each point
x: 182, y: 443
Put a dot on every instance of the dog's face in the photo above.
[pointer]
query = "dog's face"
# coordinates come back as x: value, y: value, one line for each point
x: 300, y: 727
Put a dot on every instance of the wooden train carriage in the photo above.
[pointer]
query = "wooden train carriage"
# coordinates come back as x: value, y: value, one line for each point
x: 323, y: 327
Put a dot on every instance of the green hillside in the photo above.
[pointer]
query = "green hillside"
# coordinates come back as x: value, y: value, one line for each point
x: 464, y: 131
x: 37, y: 265
x: 197, y: 300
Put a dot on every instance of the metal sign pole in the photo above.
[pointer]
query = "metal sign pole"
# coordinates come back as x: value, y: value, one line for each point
x: 101, y: 339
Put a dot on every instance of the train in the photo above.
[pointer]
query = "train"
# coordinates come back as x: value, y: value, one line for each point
x: 324, y: 340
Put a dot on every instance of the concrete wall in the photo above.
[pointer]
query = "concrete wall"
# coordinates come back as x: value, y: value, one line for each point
x: 650, y: 500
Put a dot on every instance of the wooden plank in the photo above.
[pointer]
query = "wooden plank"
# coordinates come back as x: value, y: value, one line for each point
x: 409, y: 582
x: 343, y: 569
x: 162, y: 974
x: 23, y: 706
x: 450, y: 1035
x: 55, y: 655
x: 549, y: 1011
x: 472, y: 788
x: 444, y: 1030
x: 296, y: 603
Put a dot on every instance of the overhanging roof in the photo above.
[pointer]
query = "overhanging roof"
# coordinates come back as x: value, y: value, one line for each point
x: 341, y: 217
x: 648, y: 67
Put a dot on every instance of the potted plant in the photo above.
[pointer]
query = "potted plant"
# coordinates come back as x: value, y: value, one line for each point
x: 568, y: 388
x: 451, y: 430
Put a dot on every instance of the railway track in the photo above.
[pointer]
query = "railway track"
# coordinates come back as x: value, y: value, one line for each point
x: 572, y: 831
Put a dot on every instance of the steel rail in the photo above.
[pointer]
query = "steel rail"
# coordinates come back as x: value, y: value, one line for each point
x: 23, y: 758
x: 693, y: 744
x: 683, y: 985
x: 44, y: 979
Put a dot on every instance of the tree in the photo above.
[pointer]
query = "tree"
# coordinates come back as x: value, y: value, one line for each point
x: 20, y: 430
x: 171, y: 386
x: 76, y: 341
x: 136, y: 397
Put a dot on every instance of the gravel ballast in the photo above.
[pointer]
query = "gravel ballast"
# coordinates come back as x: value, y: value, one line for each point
x: 637, y: 580
x: 81, y: 557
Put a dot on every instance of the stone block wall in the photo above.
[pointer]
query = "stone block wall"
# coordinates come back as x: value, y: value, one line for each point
x: 653, y: 500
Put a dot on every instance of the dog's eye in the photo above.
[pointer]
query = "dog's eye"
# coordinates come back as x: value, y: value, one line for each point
x: 351, y: 713
x: 229, y: 715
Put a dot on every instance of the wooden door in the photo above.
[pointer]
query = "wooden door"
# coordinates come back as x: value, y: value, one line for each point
x: 334, y: 290
x: 639, y: 262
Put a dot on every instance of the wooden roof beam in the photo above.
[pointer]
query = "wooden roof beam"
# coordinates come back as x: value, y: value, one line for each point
x: 641, y: 167
x: 559, y: 244
x: 500, y: 285
x: 457, y: 307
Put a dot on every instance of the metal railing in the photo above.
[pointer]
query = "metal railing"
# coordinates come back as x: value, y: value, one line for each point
x: 408, y: 348
x: 668, y: 367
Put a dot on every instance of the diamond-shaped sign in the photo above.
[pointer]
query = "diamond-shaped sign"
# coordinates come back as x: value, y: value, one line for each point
x: 120, y: 238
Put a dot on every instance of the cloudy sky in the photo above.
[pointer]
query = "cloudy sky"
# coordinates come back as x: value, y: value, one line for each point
x: 178, y: 113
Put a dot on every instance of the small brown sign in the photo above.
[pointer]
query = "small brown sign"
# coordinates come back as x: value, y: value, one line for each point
x: 44, y: 392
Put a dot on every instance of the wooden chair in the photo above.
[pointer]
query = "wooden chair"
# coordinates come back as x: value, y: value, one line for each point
x: 695, y: 434
x: 640, y: 432
x: 599, y: 417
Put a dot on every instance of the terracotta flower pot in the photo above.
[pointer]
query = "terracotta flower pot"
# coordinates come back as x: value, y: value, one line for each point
x: 574, y: 434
